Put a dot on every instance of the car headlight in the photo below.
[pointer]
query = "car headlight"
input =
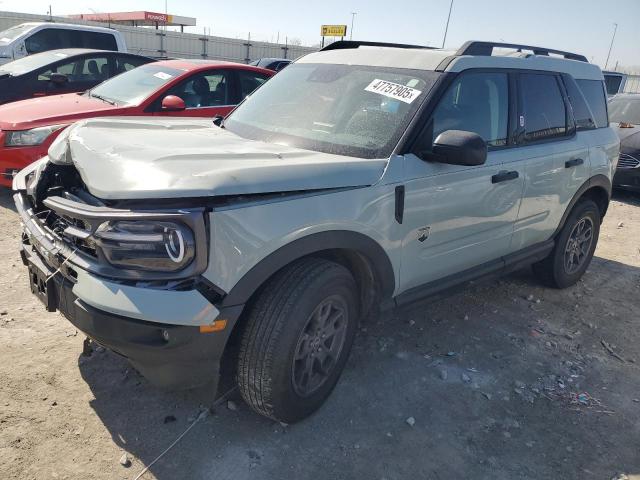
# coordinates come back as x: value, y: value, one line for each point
x: 146, y: 245
x: 25, y: 138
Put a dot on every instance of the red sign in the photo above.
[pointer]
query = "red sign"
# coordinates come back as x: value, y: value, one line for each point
x: 155, y: 17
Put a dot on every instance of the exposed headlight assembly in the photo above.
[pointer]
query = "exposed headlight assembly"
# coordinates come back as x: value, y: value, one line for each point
x: 156, y: 246
x: 29, y: 138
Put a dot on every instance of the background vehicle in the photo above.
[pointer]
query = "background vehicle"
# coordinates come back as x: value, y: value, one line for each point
x: 172, y: 87
x: 62, y: 71
x: 29, y: 38
x: 624, y: 112
x: 348, y: 180
x: 614, y: 82
x: 275, y: 64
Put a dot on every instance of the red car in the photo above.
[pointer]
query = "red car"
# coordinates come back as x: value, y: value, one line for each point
x: 192, y: 88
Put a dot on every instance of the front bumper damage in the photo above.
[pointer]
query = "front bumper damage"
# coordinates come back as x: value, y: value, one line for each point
x: 158, y: 328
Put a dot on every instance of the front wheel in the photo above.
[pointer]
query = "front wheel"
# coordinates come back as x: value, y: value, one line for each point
x: 574, y: 248
x: 297, y: 339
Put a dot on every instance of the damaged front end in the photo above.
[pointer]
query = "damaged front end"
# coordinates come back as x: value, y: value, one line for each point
x: 129, y: 278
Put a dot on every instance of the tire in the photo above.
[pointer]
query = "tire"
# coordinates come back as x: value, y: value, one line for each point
x: 555, y: 270
x: 281, y: 343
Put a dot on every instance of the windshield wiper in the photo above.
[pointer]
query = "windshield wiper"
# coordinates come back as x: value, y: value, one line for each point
x: 99, y: 97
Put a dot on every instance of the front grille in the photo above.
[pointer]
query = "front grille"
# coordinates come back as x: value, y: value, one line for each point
x: 627, y: 161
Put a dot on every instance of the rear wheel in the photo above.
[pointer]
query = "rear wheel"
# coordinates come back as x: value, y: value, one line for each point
x: 297, y: 339
x: 574, y: 247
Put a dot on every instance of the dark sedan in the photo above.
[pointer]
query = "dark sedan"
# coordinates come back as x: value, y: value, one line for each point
x: 62, y: 71
x: 275, y: 64
x: 624, y: 110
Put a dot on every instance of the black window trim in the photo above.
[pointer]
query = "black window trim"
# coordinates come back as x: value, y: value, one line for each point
x: 412, y: 137
x: 571, y: 132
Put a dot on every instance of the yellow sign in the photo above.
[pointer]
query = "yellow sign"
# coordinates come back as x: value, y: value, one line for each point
x: 333, y: 30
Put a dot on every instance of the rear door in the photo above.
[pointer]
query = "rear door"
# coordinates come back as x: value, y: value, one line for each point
x: 459, y: 217
x: 554, y: 157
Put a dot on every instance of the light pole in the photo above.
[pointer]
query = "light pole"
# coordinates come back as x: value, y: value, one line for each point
x: 615, y: 29
x: 353, y: 16
x: 446, y: 29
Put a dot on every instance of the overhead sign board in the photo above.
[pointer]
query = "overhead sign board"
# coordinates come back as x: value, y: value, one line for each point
x: 333, y: 30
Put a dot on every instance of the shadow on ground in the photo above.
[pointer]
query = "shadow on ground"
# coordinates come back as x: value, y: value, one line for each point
x: 6, y: 199
x: 491, y: 376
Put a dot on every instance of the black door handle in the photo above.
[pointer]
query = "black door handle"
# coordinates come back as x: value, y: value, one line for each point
x: 504, y: 176
x: 573, y: 163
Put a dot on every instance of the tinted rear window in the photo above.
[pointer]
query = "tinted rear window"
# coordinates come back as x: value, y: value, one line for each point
x: 581, y: 112
x: 613, y: 83
x: 545, y: 114
x: 593, y: 91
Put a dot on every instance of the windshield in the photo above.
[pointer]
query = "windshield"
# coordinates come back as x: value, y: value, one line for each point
x: 32, y: 62
x: 625, y: 110
x: 352, y: 110
x: 9, y: 35
x: 134, y: 86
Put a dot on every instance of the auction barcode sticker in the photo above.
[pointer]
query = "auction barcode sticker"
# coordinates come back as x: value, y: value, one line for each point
x: 393, y: 90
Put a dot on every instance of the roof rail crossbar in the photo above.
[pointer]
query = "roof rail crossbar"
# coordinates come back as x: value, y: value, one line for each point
x: 346, y: 44
x: 486, y: 49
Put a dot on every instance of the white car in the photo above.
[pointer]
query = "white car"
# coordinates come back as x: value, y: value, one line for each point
x: 36, y: 37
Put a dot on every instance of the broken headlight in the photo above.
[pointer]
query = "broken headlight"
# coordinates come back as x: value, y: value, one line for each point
x: 146, y: 245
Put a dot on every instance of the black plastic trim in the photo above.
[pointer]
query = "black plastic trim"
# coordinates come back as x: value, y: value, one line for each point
x: 597, y: 181
x: 331, y: 240
x: 496, y: 267
x: 347, y: 44
x: 485, y: 49
x: 399, y: 207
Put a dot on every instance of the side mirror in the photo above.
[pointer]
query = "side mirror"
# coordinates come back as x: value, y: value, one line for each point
x: 172, y: 103
x: 218, y: 120
x: 58, y: 79
x: 457, y: 147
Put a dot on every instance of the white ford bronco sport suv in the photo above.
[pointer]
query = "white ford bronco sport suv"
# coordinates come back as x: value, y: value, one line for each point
x: 361, y: 175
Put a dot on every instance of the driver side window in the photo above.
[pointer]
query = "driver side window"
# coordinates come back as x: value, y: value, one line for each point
x: 476, y: 102
x: 208, y: 89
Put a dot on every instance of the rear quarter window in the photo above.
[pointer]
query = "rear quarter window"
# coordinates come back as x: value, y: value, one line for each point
x: 594, y: 94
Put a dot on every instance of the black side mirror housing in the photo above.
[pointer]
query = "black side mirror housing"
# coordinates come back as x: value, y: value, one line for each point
x: 458, y: 147
x: 58, y: 79
x: 218, y: 120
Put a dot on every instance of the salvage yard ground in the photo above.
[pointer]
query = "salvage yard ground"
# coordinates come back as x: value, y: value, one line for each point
x: 502, y: 380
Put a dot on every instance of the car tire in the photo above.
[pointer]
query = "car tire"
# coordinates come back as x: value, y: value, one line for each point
x: 286, y: 367
x: 572, y: 253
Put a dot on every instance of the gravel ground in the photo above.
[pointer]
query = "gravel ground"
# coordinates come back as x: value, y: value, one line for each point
x: 502, y: 380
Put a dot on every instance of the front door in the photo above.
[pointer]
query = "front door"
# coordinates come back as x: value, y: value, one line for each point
x: 459, y: 217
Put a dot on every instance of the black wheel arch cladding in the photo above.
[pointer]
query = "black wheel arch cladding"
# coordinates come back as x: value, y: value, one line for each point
x: 350, y: 242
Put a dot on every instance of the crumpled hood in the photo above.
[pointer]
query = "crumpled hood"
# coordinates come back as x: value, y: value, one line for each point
x: 137, y: 158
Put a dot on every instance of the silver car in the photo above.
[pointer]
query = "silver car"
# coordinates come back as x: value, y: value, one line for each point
x: 361, y: 175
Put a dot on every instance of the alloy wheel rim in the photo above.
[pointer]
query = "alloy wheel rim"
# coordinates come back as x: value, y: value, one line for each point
x: 578, y: 245
x: 319, y: 345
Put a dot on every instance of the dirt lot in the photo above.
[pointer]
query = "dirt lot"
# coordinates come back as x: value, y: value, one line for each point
x: 503, y: 380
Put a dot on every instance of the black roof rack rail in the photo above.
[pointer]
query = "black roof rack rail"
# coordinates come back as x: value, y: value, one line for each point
x: 345, y: 44
x: 481, y: 48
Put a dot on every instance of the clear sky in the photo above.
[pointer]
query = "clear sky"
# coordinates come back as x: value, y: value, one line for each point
x: 582, y: 26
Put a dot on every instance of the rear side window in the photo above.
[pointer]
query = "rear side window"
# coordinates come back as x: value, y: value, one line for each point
x: 581, y: 112
x: 545, y: 115
x: 478, y: 103
x: 54, y: 38
x: 613, y: 83
x: 97, y: 40
x: 593, y: 91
